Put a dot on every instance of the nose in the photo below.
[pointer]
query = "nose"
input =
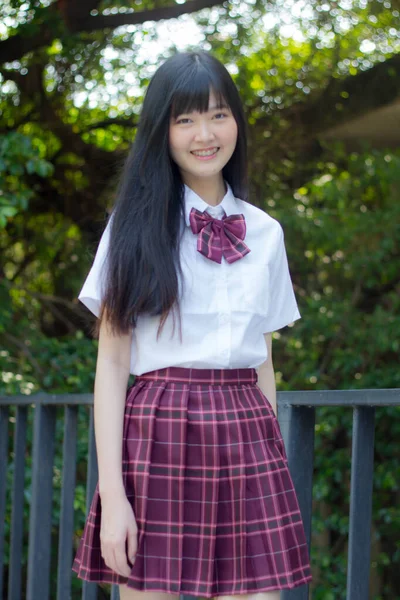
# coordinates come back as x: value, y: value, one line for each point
x: 204, y: 132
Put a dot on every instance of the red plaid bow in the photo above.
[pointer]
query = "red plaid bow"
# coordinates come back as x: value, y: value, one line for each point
x: 219, y: 237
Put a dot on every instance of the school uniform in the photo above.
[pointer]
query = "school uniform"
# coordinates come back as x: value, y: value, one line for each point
x: 204, y: 464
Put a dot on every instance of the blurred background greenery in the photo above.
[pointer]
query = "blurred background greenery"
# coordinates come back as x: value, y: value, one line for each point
x: 320, y: 80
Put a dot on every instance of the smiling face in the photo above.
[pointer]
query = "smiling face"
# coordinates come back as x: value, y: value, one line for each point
x: 201, y: 143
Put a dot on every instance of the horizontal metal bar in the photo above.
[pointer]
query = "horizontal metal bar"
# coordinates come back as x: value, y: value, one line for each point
x: 47, y: 399
x: 351, y: 398
x: 368, y: 397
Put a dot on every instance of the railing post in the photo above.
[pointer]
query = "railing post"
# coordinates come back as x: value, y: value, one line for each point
x: 17, y: 505
x: 67, y: 504
x: 90, y: 589
x: 41, y: 503
x: 4, y: 412
x: 297, y: 426
x: 362, y: 472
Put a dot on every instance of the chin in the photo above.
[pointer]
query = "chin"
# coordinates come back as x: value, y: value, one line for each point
x: 206, y: 174
x: 208, y: 168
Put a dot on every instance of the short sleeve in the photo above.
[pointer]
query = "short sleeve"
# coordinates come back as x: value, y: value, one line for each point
x: 282, y: 305
x: 92, y: 291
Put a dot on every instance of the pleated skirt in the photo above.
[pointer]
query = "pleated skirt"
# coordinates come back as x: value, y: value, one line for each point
x: 205, y: 469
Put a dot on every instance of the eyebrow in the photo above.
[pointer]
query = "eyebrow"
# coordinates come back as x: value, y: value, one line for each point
x: 210, y: 109
x: 218, y: 107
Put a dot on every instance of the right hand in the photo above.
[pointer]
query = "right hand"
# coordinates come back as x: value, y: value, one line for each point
x: 118, y: 526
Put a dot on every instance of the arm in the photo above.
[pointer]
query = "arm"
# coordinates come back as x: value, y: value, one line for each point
x: 118, y: 523
x: 266, y: 375
x: 112, y: 374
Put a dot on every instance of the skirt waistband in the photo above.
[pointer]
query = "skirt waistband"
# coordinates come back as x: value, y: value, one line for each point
x: 210, y: 376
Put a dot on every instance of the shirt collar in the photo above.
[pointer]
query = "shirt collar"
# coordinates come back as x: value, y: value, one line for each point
x: 228, y: 203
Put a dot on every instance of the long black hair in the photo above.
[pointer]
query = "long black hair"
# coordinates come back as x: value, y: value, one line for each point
x: 142, y: 264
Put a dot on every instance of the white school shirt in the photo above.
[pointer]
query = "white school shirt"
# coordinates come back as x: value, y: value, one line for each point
x: 225, y: 308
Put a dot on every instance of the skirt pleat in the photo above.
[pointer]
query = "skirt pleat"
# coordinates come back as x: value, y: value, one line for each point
x: 205, y: 469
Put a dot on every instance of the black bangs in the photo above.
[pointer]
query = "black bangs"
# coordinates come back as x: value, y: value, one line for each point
x: 192, y: 92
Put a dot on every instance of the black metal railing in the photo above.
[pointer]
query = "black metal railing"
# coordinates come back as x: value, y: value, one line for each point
x: 296, y: 413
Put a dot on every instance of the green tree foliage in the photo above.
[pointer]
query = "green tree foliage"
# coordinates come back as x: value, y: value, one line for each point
x: 18, y: 159
x: 72, y: 77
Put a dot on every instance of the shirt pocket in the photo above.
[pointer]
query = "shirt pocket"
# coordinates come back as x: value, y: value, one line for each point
x: 253, y: 282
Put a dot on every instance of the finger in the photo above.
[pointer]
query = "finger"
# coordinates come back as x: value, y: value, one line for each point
x: 112, y: 563
x: 109, y: 560
x: 105, y: 553
x: 121, y: 560
x: 132, y: 544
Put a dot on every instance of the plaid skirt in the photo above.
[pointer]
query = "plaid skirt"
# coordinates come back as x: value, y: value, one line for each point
x: 205, y: 469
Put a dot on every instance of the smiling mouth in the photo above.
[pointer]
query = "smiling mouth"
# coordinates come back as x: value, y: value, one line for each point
x: 205, y: 153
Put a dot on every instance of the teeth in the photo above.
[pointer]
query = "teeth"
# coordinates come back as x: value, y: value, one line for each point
x: 205, y: 152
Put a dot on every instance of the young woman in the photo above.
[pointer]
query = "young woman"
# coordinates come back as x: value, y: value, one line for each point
x: 189, y: 280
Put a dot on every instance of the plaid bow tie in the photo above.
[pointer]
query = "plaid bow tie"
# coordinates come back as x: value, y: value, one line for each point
x: 219, y: 237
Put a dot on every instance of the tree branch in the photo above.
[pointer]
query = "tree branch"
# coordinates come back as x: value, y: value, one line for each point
x: 22, y: 346
x: 94, y: 23
x: 127, y: 122
x: 346, y: 98
x: 342, y: 100
x: 47, y: 298
x: 60, y: 316
x: 16, y: 46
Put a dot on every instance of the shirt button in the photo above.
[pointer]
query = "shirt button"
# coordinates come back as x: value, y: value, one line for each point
x: 224, y: 318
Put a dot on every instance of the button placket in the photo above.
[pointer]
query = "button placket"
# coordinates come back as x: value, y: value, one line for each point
x: 224, y: 320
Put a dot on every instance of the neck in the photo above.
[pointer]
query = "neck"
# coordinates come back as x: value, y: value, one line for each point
x: 211, y: 191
